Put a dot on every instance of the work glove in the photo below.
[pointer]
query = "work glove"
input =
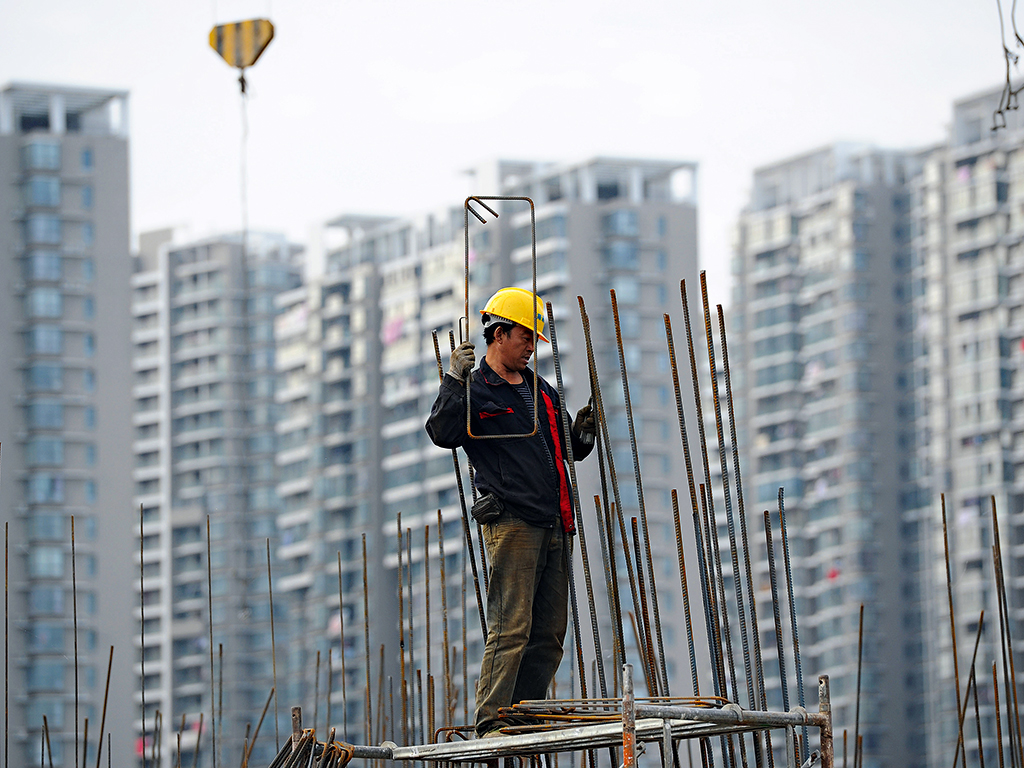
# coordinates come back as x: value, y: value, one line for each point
x: 585, y: 424
x: 462, y: 361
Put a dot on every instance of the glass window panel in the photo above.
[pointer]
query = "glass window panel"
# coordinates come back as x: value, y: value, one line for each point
x: 90, y: 417
x: 44, y: 340
x: 88, y: 270
x: 46, y: 637
x: 88, y: 308
x: 44, y: 451
x: 88, y: 233
x: 45, y: 377
x: 90, y: 491
x: 42, y: 190
x: 46, y: 562
x: 53, y: 709
x: 41, y: 156
x: 623, y: 223
x: 48, y: 526
x: 44, y: 265
x: 45, y: 675
x: 46, y: 414
x: 45, y: 302
x: 87, y: 196
x: 43, y: 228
x: 87, y: 159
x: 46, y: 600
x: 89, y: 345
x: 45, y: 488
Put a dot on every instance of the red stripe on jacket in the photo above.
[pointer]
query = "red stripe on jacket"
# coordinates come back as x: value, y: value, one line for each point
x: 565, y: 505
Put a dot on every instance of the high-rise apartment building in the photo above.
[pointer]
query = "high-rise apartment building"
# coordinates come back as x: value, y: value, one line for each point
x: 358, y: 375
x: 205, y: 445
x: 63, y: 426
x: 969, y: 325
x: 820, y: 332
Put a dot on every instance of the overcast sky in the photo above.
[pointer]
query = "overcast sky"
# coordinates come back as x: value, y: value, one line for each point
x: 377, y: 106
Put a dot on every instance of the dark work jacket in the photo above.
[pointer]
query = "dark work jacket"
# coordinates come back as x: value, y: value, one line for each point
x: 515, y: 469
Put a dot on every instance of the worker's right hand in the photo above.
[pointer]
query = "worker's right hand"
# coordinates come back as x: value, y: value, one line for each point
x: 462, y: 361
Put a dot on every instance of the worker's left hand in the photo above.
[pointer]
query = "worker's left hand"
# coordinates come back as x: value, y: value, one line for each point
x: 585, y: 423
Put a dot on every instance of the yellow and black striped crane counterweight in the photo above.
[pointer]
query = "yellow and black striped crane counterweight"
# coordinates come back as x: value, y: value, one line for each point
x: 240, y: 43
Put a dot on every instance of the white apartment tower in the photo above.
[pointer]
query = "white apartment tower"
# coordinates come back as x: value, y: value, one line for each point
x: 821, y: 359
x: 205, y: 478
x: 63, y: 427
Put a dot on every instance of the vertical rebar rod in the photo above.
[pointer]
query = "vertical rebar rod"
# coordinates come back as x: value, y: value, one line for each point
x: 431, y: 711
x: 860, y: 661
x: 737, y: 576
x: 759, y: 699
x: 465, y: 642
x: 647, y: 654
x: 316, y: 694
x: 595, y: 385
x: 971, y: 683
x: 419, y: 695
x: 401, y: 631
x: 220, y: 700
x: 712, y: 543
x: 995, y: 708
x: 773, y: 578
x: 74, y: 614
x: 273, y: 648
x: 199, y: 741
x: 46, y: 738
x: 209, y: 605
x: 1009, y: 638
x: 381, y: 714
x: 686, y: 595
x: 85, y: 740
x: 106, y: 696
x: 792, y: 610
x: 427, y: 616
x: 344, y: 675
x: 628, y: 719
x: 366, y: 643
x: 977, y: 722
x: 444, y: 622
x: 466, y: 530
x: 256, y: 733
x: 578, y: 513
x: 710, y: 617
x: 1008, y: 677
x: 417, y: 701
x: 656, y: 644
x: 952, y: 613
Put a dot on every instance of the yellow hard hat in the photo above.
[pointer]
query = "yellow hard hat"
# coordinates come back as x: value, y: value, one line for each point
x: 513, y: 305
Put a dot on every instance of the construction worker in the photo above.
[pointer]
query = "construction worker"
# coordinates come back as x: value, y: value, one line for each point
x: 524, y: 503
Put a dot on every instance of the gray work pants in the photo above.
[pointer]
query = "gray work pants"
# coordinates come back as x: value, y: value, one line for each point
x: 527, y: 613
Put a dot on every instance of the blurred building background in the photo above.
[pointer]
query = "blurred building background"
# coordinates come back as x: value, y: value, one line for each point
x: 66, y: 437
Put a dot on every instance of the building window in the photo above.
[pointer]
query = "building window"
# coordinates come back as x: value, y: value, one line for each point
x: 90, y: 417
x: 622, y: 255
x: 45, y: 488
x: 45, y: 377
x: 53, y: 709
x: 88, y: 307
x: 46, y: 562
x: 87, y: 197
x: 662, y: 261
x: 42, y: 228
x: 46, y: 601
x: 44, y: 265
x: 88, y: 345
x: 88, y: 270
x: 46, y: 414
x: 41, y: 156
x: 87, y: 159
x: 90, y: 491
x: 43, y: 190
x: 44, y: 451
x: 45, y: 675
x: 662, y: 226
x: 627, y: 289
x: 88, y: 233
x: 45, y: 302
x: 44, y: 340
x: 90, y: 455
x: 46, y: 637
x: 623, y: 223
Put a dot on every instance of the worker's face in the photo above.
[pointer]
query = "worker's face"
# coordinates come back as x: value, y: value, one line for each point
x: 515, y: 347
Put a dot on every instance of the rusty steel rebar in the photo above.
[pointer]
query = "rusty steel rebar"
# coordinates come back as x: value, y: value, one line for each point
x: 366, y: 645
x: 677, y: 525
x: 74, y: 624
x: 401, y: 631
x: 773, y: 578
x: 103, y: 716
x: 427, y: 621
x: 971, y: 683
x: 578, y: 514
x: 995, y: 709
x: 444, y: 620
x: 341, y: 633
x: 792, y: 610
x: 657, y: 645
x: 1001, y: 586
x: 644, y: 613
x: 466, y: 530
